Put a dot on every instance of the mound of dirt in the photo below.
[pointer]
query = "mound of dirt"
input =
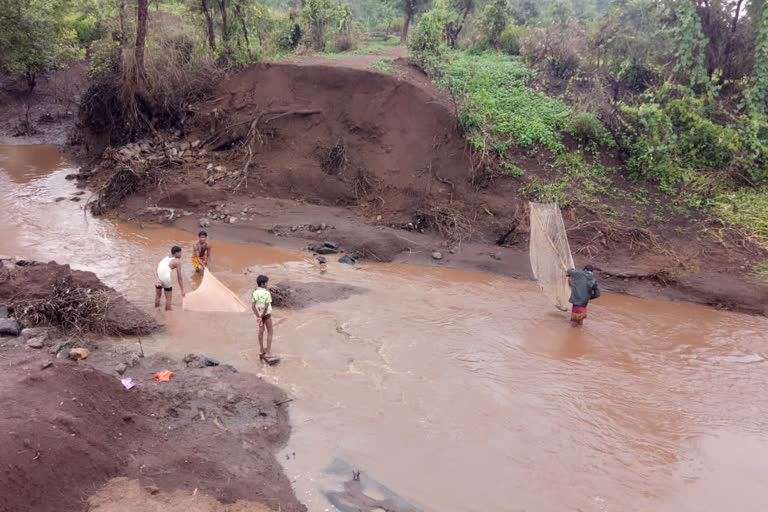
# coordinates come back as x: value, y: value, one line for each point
x: 69, y: 428
x: 299, y: 295
x: 339, y: 135
x: 49, y: 293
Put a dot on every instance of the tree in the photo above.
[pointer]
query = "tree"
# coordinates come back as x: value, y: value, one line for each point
x: 34, y: 39
x: 459, y: 9
x: 319, y: 14
x: 690, y: 43
x: 208, y: 24
x: 409, y: 8
x: 759, y: 93
x: 494, y: 20
x: 141, y: 38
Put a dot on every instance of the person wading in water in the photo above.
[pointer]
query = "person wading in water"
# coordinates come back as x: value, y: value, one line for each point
x: 262, y: 308
x: 583, y: 289
x: 201, y: 253
x: 164, y: 275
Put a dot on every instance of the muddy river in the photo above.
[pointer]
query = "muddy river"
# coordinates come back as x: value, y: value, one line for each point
x: 458, y: 391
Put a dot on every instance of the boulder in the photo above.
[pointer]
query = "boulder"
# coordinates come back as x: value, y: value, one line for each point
x: 9, y: 327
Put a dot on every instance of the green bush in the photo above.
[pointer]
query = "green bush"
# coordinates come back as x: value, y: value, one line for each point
x: 588, y: 129
x: 498, y: 109
x: 426, y: 43
x: 477, y: 48
x: 636, y: 76
x: 509, y: 41
x: 673, y: 135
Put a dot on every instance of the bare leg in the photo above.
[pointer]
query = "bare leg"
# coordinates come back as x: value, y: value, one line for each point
x: 158, y: 294
x: 261, y: 338
x: 168, y: 300
x: 268, y: 323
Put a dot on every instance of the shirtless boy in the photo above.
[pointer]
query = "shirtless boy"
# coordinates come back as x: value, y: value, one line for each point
x: 201, y: 253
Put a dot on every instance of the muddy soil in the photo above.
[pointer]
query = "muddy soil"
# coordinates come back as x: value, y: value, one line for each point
x: 45, y: 115
x: 40, y: 286
x: 69, y: 427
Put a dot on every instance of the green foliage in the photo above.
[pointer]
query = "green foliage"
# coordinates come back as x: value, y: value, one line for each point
x: 509, y: 41
x: 690, y: 43
x: 499, y: 110
x: 494, y: 21
x: 34, y: 37
x: 426, y: 43
x: 673, y: 137
x: 759, y: 94
x: 319, y: 16
x: 589, y: 130
x: 747, y: 208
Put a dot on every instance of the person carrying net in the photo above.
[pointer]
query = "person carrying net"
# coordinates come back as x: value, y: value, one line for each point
x: 584, y: 288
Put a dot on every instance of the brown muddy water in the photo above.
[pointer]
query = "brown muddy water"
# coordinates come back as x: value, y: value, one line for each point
x: 459, y: 391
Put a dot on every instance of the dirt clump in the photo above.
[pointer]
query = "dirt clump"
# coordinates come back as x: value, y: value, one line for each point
x: 300, y: 295
x: 69, y: 427
x: 75, y: 300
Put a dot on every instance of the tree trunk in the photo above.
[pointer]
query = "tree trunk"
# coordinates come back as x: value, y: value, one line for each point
x: 224, y: 24
x: 141, y: 37
x: 123, y: 38
x: 407, y: 21
x: 209, y: 24
x: 239, y: 13
x: 736, y: 16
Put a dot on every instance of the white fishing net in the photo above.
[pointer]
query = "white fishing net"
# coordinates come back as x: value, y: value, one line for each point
x: 550, y: 253
x: 213, y: 296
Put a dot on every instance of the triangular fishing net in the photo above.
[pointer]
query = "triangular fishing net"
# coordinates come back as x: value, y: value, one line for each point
x: 213, y: 296
x: 550, y: 253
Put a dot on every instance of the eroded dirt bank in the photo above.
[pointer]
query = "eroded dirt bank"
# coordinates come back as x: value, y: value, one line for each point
x: 68, y: 427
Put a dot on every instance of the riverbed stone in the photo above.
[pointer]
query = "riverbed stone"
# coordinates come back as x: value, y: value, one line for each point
x: 497, y: 255
x: 204, y: 222
x: 322, y: 260
x: 36, y: 342
x: 9, y: 327
x: 121, y: 368
x: 326, y: 250
x: 347, y: 259
x: 331, y: 244
x: 437, y: 255
x: 34, y: 332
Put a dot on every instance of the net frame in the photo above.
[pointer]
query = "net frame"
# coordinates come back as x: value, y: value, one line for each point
x: 549, y: 253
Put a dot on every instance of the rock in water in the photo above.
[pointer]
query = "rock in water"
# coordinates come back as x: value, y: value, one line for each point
x: 331, y: 245
x: 322, y: 260
x: 9, y: 327
x: 437, y: 255
x: 349, y: 260
x: 205, y: 222
x: 326, y: 250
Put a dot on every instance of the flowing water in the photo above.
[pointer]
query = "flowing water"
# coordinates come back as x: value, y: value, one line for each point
x: 460, y: 391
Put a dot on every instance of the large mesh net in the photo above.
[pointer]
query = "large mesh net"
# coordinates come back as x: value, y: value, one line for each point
x: 213, y: 296
x: 550, y: 253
